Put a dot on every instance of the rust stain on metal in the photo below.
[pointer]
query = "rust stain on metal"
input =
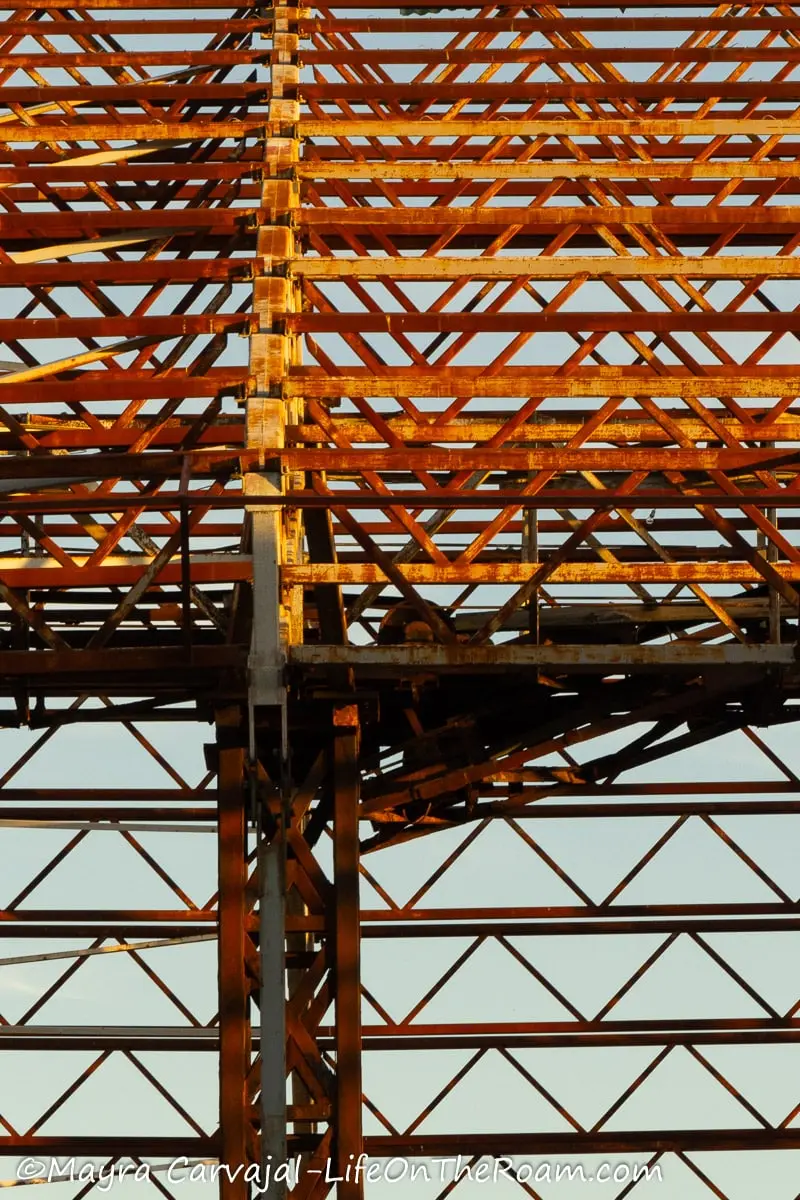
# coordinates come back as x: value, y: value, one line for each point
x: 427, y: 435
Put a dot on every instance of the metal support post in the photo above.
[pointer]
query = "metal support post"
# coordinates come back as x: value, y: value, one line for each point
x: 234, y: 1026
x: 272, y: 909
x: 271, y: 352
x: 347, y: 954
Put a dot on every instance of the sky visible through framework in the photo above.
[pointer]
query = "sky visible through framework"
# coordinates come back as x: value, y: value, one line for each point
x: 502, y: 870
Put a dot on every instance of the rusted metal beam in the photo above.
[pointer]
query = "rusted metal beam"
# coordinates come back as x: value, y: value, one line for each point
x: 234, y: 1028
x: 347, y: 953
x: 539, y: 267
x: 516, y: 459
x: 498, y: 94
x: 509, y: 573
x: 331, y: 218
x: 675, y: 655
x: 393, y: 56
x: 558, y: 1144
x: 675, y: 127
x: 531, y: 321
x: 533, y: 381
x: 552, y: 217
x: 117, y: 572
x: 501, y: 24
x: 525, y: 170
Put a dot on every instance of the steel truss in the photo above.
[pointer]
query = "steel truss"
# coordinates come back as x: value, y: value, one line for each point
x: 412, y: 396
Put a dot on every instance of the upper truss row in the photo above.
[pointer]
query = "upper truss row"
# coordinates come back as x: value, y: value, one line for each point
x: 530, y: 267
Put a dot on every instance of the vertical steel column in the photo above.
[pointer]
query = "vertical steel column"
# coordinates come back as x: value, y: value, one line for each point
x: 347, y: 951
x: 234, y: 1026
x: 272, y: 909
x: 271, y: 353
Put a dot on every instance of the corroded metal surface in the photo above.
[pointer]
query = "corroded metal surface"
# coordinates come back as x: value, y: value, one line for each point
x: 413, y: 397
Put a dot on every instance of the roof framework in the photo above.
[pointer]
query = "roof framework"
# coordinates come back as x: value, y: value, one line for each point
x: 409, y: 397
